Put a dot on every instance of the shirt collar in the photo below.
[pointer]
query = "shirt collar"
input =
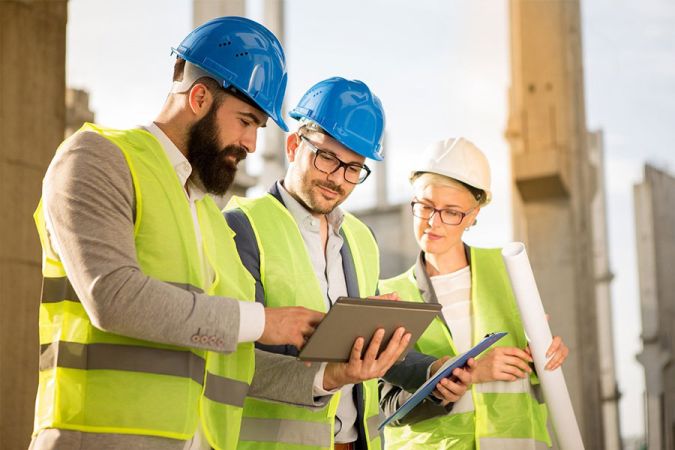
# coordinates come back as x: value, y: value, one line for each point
x: 304, y: 217
x: 179, y: 162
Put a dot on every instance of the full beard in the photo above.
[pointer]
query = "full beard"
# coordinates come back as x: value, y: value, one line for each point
x: 215, y: 166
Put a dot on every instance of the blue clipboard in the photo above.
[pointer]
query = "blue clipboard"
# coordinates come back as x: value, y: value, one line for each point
x: 424, y: 390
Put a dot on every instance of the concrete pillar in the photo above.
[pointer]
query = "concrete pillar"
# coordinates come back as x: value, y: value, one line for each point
x: 380, y: 174
x: 272, y: 144
x: 552, y: 190
x: 274, y: 147
x: 603, y: 280
x: 392, y: 224
x: 32, y: 121
x: 655, y: 230
x: 202, y: 11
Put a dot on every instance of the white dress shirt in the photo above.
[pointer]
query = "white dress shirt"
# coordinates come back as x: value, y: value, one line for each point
x: 252, y: 314
x: 330, y: 274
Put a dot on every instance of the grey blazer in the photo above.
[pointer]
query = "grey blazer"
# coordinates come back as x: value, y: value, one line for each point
x: 89, y: 196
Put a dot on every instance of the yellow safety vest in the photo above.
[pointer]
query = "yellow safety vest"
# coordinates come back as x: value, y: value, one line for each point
x: 95, y: 381
x: 289, y: 280
x: 507, y: 416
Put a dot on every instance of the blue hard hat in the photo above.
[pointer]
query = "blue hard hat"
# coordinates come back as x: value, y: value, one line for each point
x: 242, y: 54
x: 348, y: 111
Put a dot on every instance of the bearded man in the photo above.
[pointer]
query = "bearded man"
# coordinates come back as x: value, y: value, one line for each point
x: 147, y: 318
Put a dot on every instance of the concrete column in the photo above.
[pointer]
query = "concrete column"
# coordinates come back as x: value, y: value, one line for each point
x: 274, y: 145
x: 32, y: 121
x: 603, y: 280
x: 203, y: 11
x: 553, y: 190
x: 655, y: 232
x: 380, y: 174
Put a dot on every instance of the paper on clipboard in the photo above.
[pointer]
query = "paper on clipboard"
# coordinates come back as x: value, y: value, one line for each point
x: 446, y: 369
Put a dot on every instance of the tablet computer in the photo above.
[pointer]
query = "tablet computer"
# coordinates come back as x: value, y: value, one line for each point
x: 350, y: 318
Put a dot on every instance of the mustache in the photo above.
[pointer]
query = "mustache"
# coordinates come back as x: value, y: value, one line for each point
x: 238, y: 151
x: 332, y: 186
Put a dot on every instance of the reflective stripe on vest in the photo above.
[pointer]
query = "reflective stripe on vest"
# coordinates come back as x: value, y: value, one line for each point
x: 132, y: 358
x: 284, y: 431
x: 288, y: 279
x: 95, y: 381
x: 504, y: 411
x: 511, y: 444
x: 372, y: 423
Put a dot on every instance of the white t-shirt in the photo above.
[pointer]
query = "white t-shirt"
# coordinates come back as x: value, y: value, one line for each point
x: 453, y: 291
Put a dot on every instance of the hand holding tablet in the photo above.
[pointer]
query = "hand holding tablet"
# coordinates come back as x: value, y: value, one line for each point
x: 352, y: 318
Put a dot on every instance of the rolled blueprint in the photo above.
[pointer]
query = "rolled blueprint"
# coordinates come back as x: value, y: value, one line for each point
x: 553, y: 385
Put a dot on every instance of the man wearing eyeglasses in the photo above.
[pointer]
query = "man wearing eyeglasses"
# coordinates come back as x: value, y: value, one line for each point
x: 303, y: 249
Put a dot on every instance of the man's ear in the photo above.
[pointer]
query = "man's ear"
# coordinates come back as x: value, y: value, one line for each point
x: 292, y: 144
x: 199, y: 100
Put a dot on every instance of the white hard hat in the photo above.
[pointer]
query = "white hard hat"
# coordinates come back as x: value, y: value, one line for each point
x: 459, y: 159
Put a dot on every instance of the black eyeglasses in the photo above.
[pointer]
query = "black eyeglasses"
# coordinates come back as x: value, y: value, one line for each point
x: 327, y: 162
x: 449, y: 216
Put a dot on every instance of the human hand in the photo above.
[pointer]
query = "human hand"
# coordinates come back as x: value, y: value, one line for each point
x: 289, y: 325
x: 369, y: 366
x: 451, y: 389
x: 557, y: 353
x: 502, y: 364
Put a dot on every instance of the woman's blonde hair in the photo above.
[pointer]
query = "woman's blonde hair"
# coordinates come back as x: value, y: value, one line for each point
x: 420, y: 180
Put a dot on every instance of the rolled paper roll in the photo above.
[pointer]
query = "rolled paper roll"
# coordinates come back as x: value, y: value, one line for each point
x: 553, y: 385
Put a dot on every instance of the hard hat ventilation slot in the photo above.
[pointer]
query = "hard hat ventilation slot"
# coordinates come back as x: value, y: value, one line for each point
x: 237, y: 55
x: 225, y: 44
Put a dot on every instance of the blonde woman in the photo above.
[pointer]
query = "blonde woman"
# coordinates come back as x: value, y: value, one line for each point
x: 502, y: 410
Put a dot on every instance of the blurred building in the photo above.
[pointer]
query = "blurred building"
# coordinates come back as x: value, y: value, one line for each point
x: 77, y: 110
x: 392, y: 224
x: 609, y: 389
x: 558, y: 206
x: 558, y: 203
x: 634, y: 444
x: 655, y: 230
x: 32, y: 120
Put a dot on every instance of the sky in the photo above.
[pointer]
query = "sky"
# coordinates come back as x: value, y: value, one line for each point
x: 441, y: 68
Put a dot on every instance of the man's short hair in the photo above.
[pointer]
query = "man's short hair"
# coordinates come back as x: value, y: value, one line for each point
x: 311, y: 126
x: 199, y: 75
